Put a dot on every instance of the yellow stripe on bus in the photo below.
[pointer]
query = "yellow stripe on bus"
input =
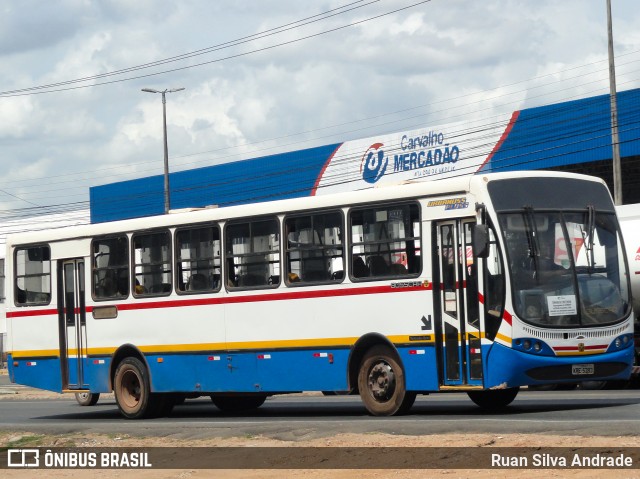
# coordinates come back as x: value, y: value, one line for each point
x: 236, y: 345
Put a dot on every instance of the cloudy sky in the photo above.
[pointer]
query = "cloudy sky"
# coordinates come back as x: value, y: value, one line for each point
x: 265, y: 76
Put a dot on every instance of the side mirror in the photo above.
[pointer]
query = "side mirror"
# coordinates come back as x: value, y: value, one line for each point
x: 481, y: 241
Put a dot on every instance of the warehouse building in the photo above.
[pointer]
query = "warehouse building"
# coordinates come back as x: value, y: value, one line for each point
x: 572, y: 136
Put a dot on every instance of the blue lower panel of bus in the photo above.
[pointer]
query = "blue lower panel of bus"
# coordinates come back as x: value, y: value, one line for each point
x: 273, y: 371
x: 515, y: 368
x: 45, y: 373
x: 419, y: 368
x: 277, y: 371
x: 41, y: 373
x: 269, y: 371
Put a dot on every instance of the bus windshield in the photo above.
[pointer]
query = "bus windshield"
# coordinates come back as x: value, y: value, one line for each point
x: 567, y: 268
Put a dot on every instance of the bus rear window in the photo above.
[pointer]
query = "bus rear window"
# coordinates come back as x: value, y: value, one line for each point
x: 33, y: 275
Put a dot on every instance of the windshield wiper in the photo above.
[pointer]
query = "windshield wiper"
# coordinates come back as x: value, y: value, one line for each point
x: 532, y: 236
x: 587, y: 236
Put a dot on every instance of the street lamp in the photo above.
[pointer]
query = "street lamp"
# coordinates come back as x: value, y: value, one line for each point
x: 167, y: 201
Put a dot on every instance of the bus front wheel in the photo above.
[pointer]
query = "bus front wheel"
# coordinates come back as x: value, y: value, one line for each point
x: 493, y: 398
x: 381, y: 383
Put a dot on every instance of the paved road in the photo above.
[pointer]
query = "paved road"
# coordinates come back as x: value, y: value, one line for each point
x: 598, y: 413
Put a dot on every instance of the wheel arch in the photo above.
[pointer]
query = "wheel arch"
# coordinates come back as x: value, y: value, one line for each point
x: 126, y: 351
x: 360, y: 348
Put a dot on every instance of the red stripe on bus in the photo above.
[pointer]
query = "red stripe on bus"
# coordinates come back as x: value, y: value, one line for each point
x: 327, y: 293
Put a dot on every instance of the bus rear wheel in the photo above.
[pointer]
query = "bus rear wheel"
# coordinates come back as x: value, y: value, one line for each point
x: 87, y: 399
x: 132, y: 389
x: 381, y: 383
x: 493, y: 399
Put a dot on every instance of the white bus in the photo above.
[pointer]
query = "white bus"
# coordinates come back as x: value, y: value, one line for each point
x: 479, y: 284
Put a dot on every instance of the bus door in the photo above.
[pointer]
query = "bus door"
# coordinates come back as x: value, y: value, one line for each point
x: 460, y: 331
x: 72, y: 322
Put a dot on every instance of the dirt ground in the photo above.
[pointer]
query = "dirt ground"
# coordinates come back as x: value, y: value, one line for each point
x: 25, y: 439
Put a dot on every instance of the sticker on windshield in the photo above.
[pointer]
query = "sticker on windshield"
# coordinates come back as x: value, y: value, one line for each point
x: 562, y: 305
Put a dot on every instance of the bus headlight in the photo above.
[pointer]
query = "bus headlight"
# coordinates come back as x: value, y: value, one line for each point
x: 532, y: 346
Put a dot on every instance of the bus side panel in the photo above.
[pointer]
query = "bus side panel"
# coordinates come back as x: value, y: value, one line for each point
x: 305, y: 370
x: 188, y: 372
x: 41, y: 373
x: 420, y: 367
x: 96, y: 374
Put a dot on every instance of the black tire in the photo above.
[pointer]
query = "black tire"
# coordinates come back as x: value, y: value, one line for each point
x: 87, y: 399
x: 233, y: 404
x: 381, y: 383
x: 494, y: 399
x: 132, y: 390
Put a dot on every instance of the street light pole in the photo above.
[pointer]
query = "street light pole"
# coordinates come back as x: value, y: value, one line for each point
x: 167, y: 198
x: 615, y: 140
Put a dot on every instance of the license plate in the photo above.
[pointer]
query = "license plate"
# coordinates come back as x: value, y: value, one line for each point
x: 581, y: 369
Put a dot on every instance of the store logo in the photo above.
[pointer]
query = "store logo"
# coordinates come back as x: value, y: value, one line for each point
x: 373, y: 164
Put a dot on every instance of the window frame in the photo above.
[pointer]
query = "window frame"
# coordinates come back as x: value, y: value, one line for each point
x: 95, y: 239
x: 169, y: 262
x: 418, y: 239
x: 286, y: 250
x: 176, y: 257
x: 15, y: 278
x: 226, y: 257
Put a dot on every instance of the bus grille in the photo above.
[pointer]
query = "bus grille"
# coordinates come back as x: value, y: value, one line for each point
x: 574, y: 333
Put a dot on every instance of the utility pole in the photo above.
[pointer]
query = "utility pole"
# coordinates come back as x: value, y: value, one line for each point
x: 167, y: 198
x: 615, y: 141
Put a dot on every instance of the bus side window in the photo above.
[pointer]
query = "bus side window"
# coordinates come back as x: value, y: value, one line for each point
x: 385, y: 241
x: 33, y: 275
x: 198, y: 261
x: 314, y: 248
x: 252, y: 251
x: 152, y: 263
x: 110, y: 266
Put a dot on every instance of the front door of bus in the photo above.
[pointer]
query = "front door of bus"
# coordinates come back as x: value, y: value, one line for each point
x: 72, y: 322
x: 460, y: 331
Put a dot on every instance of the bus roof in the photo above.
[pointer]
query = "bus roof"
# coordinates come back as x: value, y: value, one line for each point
x: 413, y: 189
